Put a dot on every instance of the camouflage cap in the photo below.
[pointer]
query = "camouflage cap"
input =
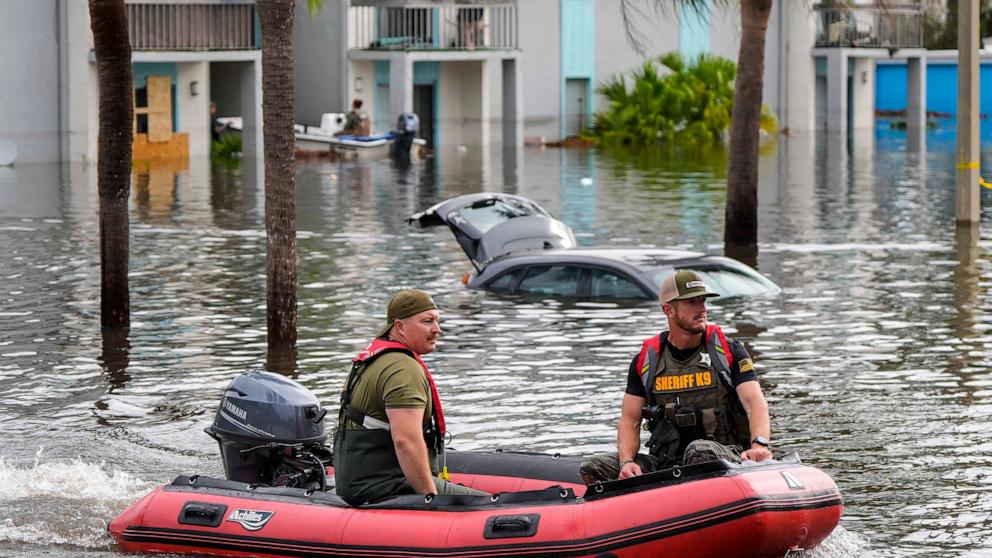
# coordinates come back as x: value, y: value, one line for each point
x: 405, y: 304
x: 681, y: 285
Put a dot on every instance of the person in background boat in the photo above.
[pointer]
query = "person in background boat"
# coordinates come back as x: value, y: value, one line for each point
x: 390, y: 435
x: 699, y: 404
x: 215, y: 127
x: 356, y: 122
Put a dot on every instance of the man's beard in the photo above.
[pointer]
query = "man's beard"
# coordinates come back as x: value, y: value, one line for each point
x: 690, y: 325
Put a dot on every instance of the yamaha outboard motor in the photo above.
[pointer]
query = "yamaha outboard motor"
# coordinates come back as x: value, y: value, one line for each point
x: 271, y: 431
x: 407, y: 128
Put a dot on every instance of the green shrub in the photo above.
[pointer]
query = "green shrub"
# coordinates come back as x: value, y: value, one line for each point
x: 229, y: 145
x: 690, y: 104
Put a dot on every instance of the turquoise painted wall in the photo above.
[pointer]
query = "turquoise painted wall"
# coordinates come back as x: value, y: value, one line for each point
x: 694, y: 31
x: 578, y: 50
x: 142, y: 70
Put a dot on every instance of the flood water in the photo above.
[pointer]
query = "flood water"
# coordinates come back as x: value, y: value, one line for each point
x: 875, y: 359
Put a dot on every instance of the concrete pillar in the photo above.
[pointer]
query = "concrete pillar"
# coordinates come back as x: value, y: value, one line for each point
x: 916, y: 93
x: 194, y: 110
x: 252, y: 139
x: 797, y: 97
x: 967, y: 200
x: 485, y: 110
x: 512, y: 96
x: 837, y: 91
x: 400, y: 85
x: 863, y: 94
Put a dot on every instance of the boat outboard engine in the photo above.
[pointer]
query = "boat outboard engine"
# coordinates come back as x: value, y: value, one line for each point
x: 407, y: 128
x: 271, y: 431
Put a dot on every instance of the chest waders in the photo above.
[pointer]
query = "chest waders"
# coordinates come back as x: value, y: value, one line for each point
x: 692, y: 399
x: 366, y: 468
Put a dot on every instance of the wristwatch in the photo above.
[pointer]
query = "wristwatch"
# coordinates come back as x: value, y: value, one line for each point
x: 761, y: 441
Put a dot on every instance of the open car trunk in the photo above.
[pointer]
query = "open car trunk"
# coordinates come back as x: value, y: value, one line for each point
x: 489, y: 225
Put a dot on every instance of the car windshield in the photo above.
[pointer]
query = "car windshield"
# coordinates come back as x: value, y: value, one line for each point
x: 486, y: 214
x: 725, y: 282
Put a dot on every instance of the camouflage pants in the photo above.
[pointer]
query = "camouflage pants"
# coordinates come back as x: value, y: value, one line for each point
x: 604, y: 467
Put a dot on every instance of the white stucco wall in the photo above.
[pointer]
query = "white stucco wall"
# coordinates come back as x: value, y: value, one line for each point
x: 29, y: 89
x: 616, y: 55
x: 461, y: 102
x: 540, y: 70
x: 320, y: 61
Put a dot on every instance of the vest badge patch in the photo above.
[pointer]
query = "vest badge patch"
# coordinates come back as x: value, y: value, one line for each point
x: 681, y: 382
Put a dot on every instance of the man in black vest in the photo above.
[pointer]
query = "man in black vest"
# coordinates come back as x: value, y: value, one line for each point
x: 696, y: 388
x: 390, y: 435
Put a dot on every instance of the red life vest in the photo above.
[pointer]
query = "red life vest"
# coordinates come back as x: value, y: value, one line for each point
x: 653, y: 343
x: 379, y: 346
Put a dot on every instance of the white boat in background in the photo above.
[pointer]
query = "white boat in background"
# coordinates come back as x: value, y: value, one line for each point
x: 321, y: 139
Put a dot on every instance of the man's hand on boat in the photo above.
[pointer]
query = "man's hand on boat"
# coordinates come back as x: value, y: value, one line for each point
x: 630, y: 469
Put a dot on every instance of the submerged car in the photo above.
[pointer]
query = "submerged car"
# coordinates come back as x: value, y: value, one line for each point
x: 516, y: 246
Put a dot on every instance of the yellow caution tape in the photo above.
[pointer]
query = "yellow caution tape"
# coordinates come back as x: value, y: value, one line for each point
x: 971, y: 165
x: 443, y: 475
x: 982, y: 182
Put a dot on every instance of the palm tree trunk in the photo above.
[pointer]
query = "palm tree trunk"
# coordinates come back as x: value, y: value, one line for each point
x: 108, y: 21
x: 276, y: 17
x: 740, y: 236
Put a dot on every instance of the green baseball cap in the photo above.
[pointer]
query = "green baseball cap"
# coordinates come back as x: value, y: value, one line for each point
x: 405, y: 304
x: 681, y: 285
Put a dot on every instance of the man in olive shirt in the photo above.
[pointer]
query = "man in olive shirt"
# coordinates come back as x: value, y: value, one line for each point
x: 391, y: 424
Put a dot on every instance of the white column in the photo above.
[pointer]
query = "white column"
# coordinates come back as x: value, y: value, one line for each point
x: 916, y: 93
x: 485, y: 110
x: 799, y: 91
x: 837, y: 91
x: 512, y: 95
x: 194, y: 110
x: 252, y: 139
x: 863, y: 88
x: 400, y: 85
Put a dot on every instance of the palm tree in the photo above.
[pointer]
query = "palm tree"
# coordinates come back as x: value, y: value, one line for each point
x: 276, y: 18
x: 282, y: 276
x: 740, y: 236
x: 108, y: 21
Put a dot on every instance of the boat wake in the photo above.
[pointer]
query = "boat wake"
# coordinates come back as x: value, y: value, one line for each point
x: 63, y: 502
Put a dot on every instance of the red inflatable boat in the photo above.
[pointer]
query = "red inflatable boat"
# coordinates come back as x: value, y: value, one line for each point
x: 774, y: 509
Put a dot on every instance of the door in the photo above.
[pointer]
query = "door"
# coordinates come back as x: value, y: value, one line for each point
x: 576, y: 106
x: 423, y: 105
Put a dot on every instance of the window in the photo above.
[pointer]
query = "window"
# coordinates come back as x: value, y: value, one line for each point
x: 606, y: 284
x: 504, y: 282
x: 732, y: 283
x: 727, y: 282
x: 486, y: 214
x: 557, y: 280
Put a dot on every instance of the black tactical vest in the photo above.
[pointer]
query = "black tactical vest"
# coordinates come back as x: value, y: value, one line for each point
x: 696, y: 395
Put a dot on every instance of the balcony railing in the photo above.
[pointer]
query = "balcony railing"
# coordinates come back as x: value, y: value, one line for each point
x: 869, y: 26
x: 192, y: 25
x: 429, y: 26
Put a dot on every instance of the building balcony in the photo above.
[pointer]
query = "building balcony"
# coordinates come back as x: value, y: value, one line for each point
x: 157, y: 25
x: 431, y: 26
x: 869, y: 25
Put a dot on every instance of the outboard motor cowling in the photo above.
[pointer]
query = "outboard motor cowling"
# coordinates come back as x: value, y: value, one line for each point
x: 407, y: 128
x: 271, y: 431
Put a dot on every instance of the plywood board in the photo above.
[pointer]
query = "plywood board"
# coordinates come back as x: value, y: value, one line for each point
x: 159, y: 108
